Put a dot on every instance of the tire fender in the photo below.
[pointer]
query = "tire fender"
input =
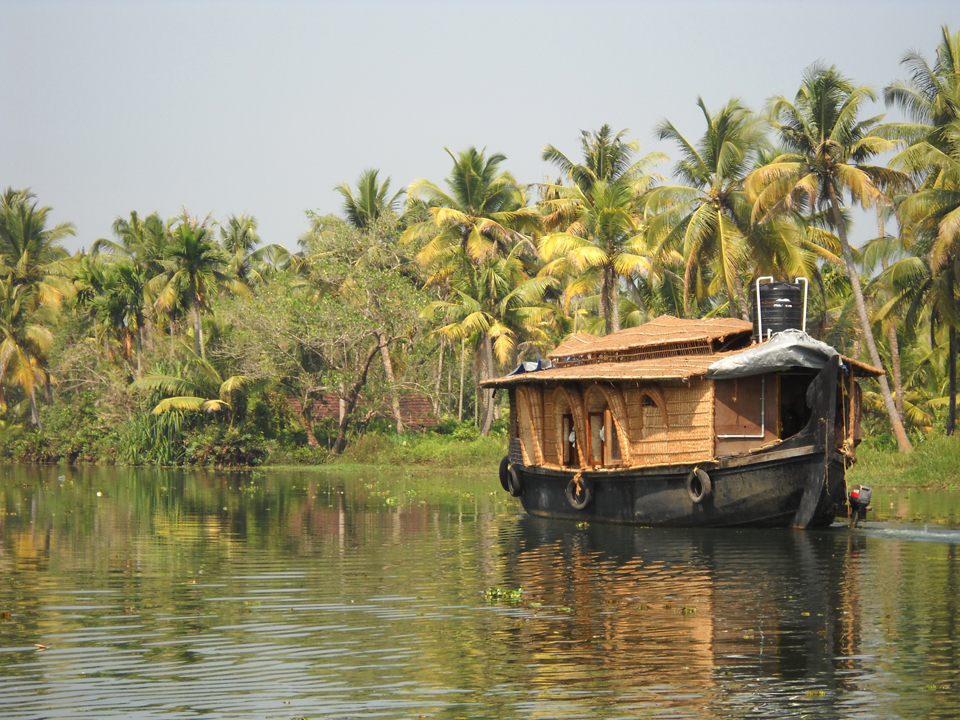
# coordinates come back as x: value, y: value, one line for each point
x: 505, y: 473
x: 578, y: 501
x: 514, y: 483
x: 699, y: 486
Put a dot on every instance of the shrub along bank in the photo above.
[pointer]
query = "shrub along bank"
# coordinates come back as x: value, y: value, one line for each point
x: 264, y: 434
x: 935, y: 462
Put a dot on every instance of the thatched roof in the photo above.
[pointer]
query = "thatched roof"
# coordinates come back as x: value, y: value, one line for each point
x: 864, y: 370
x: 662, y: 336
x: 666, y: 348
x: 681, y: 367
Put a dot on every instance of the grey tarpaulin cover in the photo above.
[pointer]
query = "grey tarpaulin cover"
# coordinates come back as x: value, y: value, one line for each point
x: 785, y: 350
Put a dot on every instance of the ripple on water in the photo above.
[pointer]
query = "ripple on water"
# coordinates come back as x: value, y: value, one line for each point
x: 343, y: 605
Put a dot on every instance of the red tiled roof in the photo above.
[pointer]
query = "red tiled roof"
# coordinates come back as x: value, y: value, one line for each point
x: 416, y: 411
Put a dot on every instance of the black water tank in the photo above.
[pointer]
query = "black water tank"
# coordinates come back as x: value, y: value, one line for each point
x: 781, y: 305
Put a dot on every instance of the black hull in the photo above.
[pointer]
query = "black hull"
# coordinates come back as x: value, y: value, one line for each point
x: 762, y: 490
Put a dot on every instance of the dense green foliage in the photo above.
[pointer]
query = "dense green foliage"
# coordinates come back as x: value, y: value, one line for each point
x: 187, y: 341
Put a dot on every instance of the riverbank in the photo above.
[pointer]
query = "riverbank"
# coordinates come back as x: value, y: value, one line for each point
x: 934, y: 463
x: 472, y: 452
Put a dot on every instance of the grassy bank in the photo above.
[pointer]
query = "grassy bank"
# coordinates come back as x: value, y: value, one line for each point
x: 447, y: 451
x: 935, y: 462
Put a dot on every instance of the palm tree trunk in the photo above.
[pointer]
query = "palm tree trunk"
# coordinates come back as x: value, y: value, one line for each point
x: 902, y: 440
x: 741, y: 298
x: 892, y: 331
x: 197, y: 330
x: 895, y: 361
x: 488, y: 371
x: 604, y: 311
x: 952, y: 375
x: 436, y: 387
x: 391, y: 382
x: 34, y: 414
x: 613, y: 287
x: 463, y: 356
x: 687, y: 280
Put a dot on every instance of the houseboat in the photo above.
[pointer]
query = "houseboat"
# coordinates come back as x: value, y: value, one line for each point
x: 686, y: 423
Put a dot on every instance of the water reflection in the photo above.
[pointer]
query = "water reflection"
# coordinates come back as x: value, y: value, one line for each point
x: 156, y: 594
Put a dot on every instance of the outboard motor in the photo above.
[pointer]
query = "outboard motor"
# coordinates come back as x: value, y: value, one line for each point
x: 859, y: 504
x: 779, y: 306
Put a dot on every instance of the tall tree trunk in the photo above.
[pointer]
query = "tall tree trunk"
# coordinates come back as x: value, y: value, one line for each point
x: 139, y: 338
x: 391, y: 382
x: 48, y: 387
x: 463, y: 356
x: 353, y: 396
x: 604, y: 301
x: 892, y: 332
x: 741, y: 298
x: 613, y: 288
x: 895, y: 361
x: 952, y: 375
x: 488, y: 370
x: 687, y: 281
x: 198, y: 331
x: 436, y: 387
x: 34, y: 414
x: 306, y: 411
x: 902, y: 440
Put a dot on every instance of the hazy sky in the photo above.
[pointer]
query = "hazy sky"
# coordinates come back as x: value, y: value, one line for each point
x: 263, y: 107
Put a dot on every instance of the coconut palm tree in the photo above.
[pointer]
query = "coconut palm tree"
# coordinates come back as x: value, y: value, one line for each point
x: 930, y: 98
x: 932, y: 216
x: 606, y: 157
x: 29, y: 252
x: 250, y: 264
x: 482, y: 214
x: 121, y: 308
x: 709, y: 216
x: 24, y: 338
x: 594, y: 225
x: 372, y: 200
x: 603, y: 242
x: 142, y: 241
x: 195, y: 267
x: 827, y: 148
x: 493, y: 304
x: 482, y: 218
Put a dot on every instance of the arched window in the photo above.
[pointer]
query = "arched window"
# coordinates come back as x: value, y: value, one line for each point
x: 566, y: 429
x: 653, y: 412
x: 603, y: 439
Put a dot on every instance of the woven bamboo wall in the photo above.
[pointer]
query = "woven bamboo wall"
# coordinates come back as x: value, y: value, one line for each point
x: 684, y: 436
x: 550, y: 439
x: 530, y: 404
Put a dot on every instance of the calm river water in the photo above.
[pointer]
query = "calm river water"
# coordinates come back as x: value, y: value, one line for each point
x: 160, y: 594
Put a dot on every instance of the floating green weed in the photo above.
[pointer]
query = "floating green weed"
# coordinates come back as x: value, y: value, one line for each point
x: 494, y: 594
